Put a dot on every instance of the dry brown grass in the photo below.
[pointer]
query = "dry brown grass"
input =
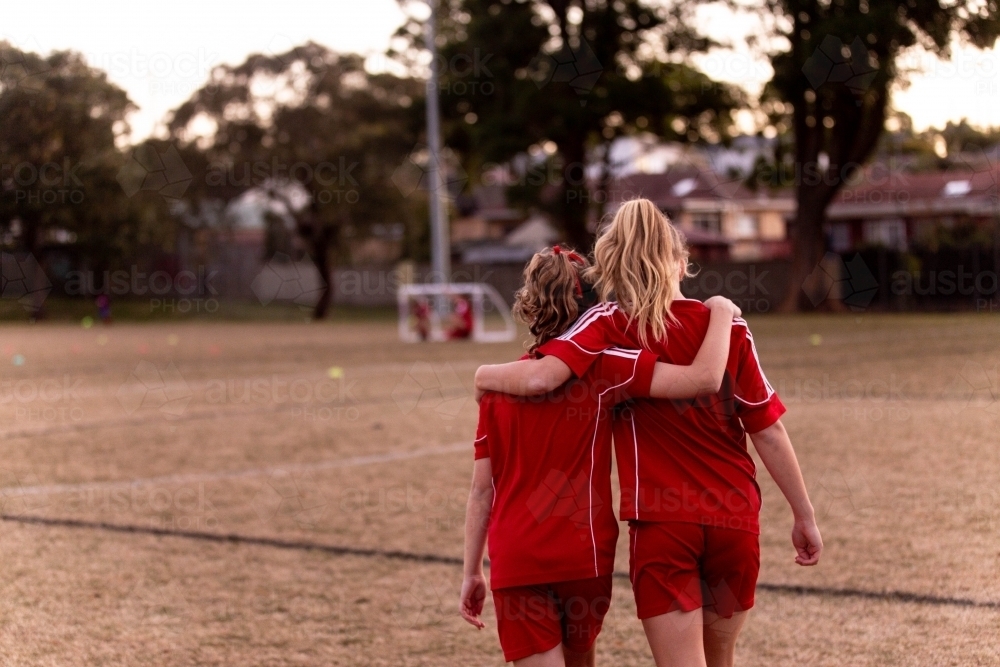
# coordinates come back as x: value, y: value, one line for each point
x: 895, y: 420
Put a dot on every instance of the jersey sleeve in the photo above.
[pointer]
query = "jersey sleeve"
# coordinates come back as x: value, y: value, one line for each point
x: 482, y: 444
x: 624, y: 374
x: 581, y: 345
x: 757, y: 404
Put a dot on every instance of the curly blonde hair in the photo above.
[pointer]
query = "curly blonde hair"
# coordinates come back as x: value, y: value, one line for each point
x: 549, y: 301
x: 639, y: 260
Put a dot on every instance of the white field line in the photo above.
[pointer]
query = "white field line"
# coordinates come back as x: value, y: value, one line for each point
x: 351, y: 462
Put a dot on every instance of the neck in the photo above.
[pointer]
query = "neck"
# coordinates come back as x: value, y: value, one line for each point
x: 677, y: 292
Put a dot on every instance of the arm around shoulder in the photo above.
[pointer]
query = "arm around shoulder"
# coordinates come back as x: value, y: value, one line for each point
x: 529, y: 377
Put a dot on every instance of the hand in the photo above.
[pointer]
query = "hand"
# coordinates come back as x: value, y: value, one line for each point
x: 808, y: 542
x: 473, y: 597
x: 724, y: 303
x: 479, y: 395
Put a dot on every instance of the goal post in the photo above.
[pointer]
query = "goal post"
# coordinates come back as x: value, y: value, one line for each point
x: 420, y: 320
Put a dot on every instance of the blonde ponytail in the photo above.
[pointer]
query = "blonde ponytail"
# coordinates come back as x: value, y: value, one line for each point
x: 639, y: 259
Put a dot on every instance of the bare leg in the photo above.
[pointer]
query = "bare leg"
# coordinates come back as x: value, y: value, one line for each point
x: 720, y: 637
x: 581, y: 659
x: 676, y: 639
x: 551, y: 658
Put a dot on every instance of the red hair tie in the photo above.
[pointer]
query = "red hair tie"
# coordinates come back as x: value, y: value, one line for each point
x: 573, y: 257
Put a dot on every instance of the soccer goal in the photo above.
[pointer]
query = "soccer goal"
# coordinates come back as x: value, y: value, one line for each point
x: 453, y: 311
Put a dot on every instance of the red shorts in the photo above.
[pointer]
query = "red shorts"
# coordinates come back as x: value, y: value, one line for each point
x: 683, y: 566
x: 535, y: 619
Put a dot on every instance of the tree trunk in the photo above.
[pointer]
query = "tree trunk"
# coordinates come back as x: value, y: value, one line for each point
x: 37, y: 283
x: 321, y: 256
x: 576, y: 196
x: 807, y: 287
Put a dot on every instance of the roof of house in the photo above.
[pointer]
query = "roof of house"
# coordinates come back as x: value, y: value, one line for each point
x: 884, y: 193
x: 680, y: 187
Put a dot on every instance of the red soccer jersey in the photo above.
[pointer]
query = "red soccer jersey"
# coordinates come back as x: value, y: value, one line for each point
x: 683, y: 460
x: 552, y: 517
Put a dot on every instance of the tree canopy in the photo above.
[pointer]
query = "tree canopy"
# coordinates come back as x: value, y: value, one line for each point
x: 561, y: 79
x: 60, y: 160
x: 311, y: 130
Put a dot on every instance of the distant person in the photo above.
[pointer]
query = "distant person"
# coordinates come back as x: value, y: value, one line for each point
x: 541, y: 490
x: 422, y: 317
x: 103, y: 302
x: 461, y: 327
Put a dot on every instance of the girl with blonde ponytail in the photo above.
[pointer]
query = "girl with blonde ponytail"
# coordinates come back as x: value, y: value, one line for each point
x: 688, y: 482
x: 544, y: 559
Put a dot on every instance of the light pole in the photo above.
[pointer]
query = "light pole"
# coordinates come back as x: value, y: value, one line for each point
x: 440, y: 242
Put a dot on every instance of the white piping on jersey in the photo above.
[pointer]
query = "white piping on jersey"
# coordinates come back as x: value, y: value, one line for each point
x: 585, y: 320
x: 753, y: 348
x: 620, y: 352
x: 593, y: 445
x: 635, y: 444
x: 493, y: 482
x: 635, y: 544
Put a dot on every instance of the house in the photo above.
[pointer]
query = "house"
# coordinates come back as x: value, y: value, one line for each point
x: 488, y: 231
x: 721, y: 218
x: 898, y: 210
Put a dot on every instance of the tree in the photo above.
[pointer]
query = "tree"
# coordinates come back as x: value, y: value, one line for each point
x: 58, y: 177
x: 312, y: 131
x: 835, y: 69
x: 563, y: 77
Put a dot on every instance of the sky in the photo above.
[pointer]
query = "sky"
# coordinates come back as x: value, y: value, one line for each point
x: 162, y: 52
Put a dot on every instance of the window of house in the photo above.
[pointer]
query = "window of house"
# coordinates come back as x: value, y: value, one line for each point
x: 710, y: 221
x: 840, y: 237
x: 746, y: 226
x: 889, y: 233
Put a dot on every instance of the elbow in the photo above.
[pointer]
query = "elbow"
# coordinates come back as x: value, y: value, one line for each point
x: 536, y: 386
x: 711, y: 382
x: 481, y: 494
x: 480, y: 379
x: 543, y: 382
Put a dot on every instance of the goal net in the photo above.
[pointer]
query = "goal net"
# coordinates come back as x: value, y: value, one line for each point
x: 454, y: 311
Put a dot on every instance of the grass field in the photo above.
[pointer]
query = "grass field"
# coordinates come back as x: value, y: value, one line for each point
x: 263, y: 494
